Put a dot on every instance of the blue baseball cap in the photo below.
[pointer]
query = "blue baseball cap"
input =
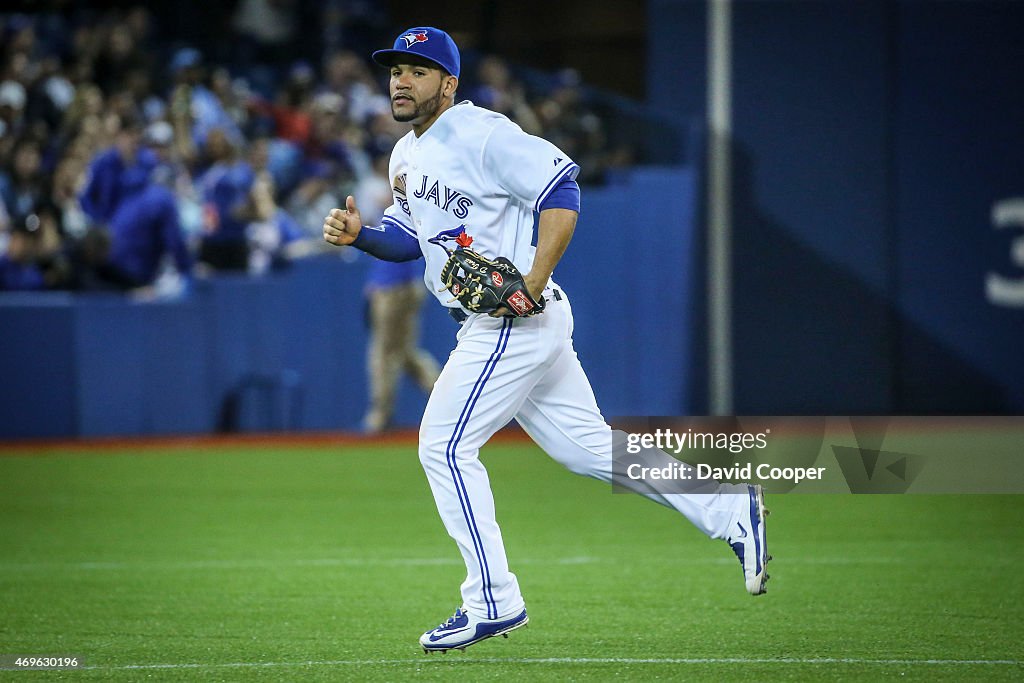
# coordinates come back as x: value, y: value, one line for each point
x: 426, y: 42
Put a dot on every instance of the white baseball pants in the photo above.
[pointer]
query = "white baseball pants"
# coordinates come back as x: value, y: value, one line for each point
x: 525, y: 369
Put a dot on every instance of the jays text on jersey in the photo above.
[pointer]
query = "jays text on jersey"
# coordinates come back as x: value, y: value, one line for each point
x: 473, y: 170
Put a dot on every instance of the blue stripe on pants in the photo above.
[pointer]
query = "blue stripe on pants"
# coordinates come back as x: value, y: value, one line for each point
x: 460, y: 485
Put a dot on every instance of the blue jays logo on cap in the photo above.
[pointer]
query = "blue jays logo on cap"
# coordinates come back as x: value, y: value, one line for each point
x: 426, y: 42
x: 418, y: 37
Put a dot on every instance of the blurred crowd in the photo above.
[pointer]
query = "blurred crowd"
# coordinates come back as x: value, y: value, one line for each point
x: 130, y: 161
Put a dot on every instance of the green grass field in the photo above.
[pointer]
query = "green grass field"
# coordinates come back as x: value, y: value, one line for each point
x: 326, y: 563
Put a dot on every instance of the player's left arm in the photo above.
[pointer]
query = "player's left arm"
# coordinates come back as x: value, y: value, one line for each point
x: 554, y: 230
x: 555, y: 225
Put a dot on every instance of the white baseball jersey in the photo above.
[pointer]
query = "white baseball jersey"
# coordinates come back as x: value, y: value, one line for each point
x: 473, y: 168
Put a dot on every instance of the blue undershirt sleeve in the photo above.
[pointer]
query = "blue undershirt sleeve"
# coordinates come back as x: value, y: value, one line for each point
x: 388, y: 242
x: 566, y: 195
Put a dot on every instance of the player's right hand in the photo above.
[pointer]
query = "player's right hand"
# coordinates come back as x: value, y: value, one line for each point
x: 342, y: 226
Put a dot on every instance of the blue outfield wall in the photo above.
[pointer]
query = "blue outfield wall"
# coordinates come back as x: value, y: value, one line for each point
x: 288, y: 351
x: 874, y: 142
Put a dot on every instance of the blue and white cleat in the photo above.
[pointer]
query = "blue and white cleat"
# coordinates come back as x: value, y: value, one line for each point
x: 749, y: 541
x: 463, y: 629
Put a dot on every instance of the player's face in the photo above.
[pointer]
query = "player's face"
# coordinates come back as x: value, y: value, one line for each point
x: 417, y: 92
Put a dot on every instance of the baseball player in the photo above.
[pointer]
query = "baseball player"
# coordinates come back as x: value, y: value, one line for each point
x: 468, y: 176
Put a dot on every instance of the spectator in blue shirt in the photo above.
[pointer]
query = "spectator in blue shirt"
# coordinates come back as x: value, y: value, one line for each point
x: 225, y: 191
x: 22, y: 185
x: 143, y: 229
x: 18, y: 268
x: 141, y: 215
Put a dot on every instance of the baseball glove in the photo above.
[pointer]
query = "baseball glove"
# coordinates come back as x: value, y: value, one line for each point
x: 483, y: 285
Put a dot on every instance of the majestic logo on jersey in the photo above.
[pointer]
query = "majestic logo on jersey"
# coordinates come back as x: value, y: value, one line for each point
x: 497, y: 279
x: 413, y: 38
x: 453, y: 200
x: 398, y: 187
